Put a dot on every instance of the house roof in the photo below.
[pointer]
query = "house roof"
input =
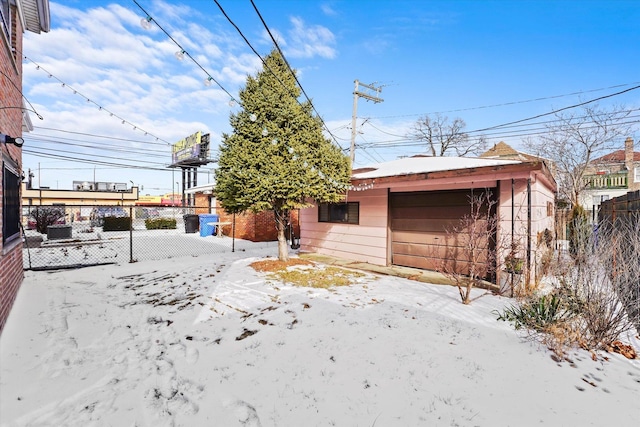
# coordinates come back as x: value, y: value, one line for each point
x: 617, y: 156
x: 414, y: 165
x: 498, y: 150
x: 203, y: 188
x: 502, y: 150
x: 36, y: 15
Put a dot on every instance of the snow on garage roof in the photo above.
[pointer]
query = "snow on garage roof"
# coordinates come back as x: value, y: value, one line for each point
x: 413, y: 165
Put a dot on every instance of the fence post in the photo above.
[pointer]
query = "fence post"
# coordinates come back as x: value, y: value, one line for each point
x: 131, y: 234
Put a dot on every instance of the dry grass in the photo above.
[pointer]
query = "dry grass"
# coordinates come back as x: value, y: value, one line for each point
x: 271, y: 265
x: 305, y: 273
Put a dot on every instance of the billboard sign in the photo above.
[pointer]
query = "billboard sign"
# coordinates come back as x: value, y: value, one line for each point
x: 191, y: 151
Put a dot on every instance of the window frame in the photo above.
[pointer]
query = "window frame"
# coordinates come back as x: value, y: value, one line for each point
x: 636, y: 174
x: 339, y: 213
x: 5, y: 20
x: 11, y: 202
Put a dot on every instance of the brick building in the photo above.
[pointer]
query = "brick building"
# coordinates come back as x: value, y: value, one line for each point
x: 610, y: 176
x: 17, y: 16
x: 256, y: 227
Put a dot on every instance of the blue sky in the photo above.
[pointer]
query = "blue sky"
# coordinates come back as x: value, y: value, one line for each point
x: 487, y: 62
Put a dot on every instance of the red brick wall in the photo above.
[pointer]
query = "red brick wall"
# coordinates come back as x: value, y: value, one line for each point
x: 256, y: 227
x: 202, y: 203
x: 11, y: 273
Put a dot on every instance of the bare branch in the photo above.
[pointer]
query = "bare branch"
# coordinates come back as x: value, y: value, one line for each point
x: 443, y: 137
x: 576, y: 138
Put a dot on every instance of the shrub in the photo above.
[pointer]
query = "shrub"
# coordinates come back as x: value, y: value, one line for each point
x: 538, y: 313
x: 44, y: 216
x: 160, y: 223
x: 112, y: 223
x: 579, y: 232
x: 597, y: 299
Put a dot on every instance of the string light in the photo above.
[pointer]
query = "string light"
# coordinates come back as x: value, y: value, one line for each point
x: 361, y: 187
x: 146, y: 24
x: 89, y: 100
x: 179, y: 55
x: 275, y: 42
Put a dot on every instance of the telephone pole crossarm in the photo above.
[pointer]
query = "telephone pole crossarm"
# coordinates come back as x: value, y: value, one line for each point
x: 369, y: 97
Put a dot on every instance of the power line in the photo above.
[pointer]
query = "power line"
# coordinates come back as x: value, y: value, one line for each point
x: 253, y: 49
x: 548, y: 123
x: 111, y: 148
x: 93, y: 144
x: 22, y: 95
x: 184, y: 52
x: 291, y: 71
x: 100, y: 107
x: 101, y: 136
x: 504, y: 104
x: 558, y: 110
x: 96, y: 155
x: 93, y: 162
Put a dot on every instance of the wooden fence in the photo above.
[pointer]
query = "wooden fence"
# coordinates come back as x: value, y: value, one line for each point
x: 620, y: 207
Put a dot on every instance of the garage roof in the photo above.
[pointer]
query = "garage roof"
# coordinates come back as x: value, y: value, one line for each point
x: 414, y: 165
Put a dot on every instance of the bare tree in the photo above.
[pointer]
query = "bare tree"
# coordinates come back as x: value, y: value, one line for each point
x: 44, y: 216
x: 471, y: 251
x: 443, y: 137
x: 604, y: 283
x: 574, y: 139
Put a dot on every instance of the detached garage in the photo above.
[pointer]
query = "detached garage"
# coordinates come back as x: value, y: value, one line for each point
x: 408, y: 212
x: 425, y: 228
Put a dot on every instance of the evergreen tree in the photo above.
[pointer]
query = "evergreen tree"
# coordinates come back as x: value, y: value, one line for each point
x: 277, y: 158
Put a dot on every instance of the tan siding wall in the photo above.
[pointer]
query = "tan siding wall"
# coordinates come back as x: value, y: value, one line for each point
x: 366, y: 242
x: 541, y: 197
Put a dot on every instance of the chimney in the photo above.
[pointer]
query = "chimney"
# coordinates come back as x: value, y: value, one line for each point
x: 628, y: 153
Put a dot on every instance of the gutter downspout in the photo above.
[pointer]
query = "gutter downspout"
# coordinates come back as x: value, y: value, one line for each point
x: 513, y: 211
x: 528, y: 231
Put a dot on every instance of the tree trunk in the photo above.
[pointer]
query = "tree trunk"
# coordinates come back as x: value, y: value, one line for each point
x: 281, y: 224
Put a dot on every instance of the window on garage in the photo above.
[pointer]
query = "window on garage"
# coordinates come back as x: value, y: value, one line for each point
x: 347, y: 212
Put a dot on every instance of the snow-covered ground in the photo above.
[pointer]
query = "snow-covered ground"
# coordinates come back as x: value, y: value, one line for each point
x: 207, y: 341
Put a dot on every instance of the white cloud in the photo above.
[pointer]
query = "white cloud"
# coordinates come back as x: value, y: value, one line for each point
x: 309, y: 41
x: 106, y: 56
x: 328, y: 10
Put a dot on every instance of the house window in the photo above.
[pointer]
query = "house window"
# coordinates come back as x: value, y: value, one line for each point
x: 348, y: 212
x: 10, y: 204
x: 636, y: 175
x: 5, y: 15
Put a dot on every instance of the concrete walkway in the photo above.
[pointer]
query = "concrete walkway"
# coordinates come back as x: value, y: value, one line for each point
x: 425, y: 276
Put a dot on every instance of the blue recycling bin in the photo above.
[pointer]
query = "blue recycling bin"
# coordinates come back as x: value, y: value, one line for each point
x: 206, y: 229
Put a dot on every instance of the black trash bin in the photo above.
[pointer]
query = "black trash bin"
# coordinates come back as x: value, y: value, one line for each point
x: 191, y: 223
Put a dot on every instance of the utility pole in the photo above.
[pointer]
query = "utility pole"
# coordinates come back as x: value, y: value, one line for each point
x: 369, y: 97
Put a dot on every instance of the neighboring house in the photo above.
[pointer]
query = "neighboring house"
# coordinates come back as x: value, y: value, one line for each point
x: 403, y: 212
x: 256, y: 227
x: 610, y: 176
x: 16, y: 17
x: 503, y: 151
x: 80, y: 201
x: 48, y: 196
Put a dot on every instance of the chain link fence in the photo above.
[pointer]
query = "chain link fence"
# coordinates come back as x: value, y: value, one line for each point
x: 65, y: 236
